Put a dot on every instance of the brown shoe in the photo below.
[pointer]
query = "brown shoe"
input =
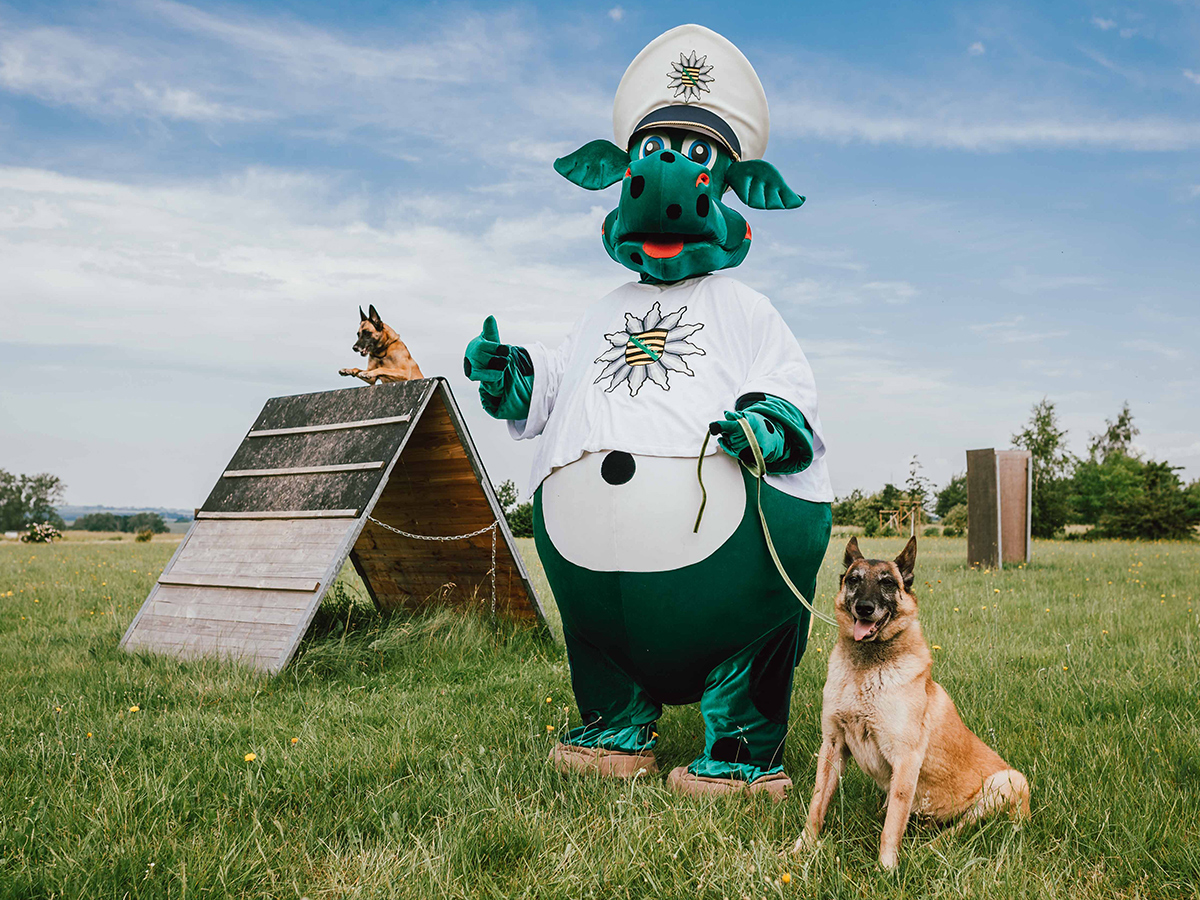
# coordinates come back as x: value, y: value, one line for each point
x: 681, y: 781
x: 597, y: 760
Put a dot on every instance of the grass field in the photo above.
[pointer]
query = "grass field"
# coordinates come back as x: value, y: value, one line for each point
x: 405, y: 758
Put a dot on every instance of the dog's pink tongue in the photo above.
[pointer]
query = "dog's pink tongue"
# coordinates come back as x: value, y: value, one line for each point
x: 862, y: 629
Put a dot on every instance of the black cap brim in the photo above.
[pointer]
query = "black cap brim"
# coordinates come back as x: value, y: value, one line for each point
x: 694, y: 118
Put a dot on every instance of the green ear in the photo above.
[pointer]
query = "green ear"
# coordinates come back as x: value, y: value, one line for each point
x: 594, y: 166
x: 759, y: 185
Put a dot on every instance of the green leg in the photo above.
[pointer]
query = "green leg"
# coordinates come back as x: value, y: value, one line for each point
x: 745, y: 708
x: 617, y: 713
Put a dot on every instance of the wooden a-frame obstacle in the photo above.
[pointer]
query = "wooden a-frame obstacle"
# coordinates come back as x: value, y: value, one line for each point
x: 310, y: 484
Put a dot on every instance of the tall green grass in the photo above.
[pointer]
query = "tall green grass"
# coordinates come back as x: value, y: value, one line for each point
x: 405, y: 757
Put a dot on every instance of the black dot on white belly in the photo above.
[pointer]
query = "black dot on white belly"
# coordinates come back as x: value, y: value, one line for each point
x: 618, y: 467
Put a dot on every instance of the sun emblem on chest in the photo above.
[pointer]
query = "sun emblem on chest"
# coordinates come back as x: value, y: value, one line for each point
x: 649, y: 349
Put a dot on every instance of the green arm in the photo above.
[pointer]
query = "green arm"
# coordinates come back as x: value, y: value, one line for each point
x: 780, y: 428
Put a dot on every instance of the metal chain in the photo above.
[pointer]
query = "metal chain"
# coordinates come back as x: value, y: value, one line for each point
x: 493, y: 528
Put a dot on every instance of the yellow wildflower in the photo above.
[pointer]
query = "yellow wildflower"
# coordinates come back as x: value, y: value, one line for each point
x: 937, y: 646
x: 549, y: 728
x: 295, y: 740
x: 250, y: 757
x: 785, y: 877
x: 134, y: 709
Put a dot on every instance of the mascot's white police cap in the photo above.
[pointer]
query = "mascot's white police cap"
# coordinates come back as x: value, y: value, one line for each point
x: 691, y: 77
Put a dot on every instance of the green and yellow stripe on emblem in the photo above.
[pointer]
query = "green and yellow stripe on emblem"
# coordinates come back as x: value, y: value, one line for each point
x: 654, y: 341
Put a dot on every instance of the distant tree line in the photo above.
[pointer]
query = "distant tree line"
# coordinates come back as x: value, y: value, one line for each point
x: 105, y: 521
x: 1115, y: 488
x: 27, y: 500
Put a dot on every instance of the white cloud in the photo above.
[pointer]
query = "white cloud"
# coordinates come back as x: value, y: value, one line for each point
x: 1156, y: 347
x: 1193, y: 77
x: 57, y: 66
x: 894, y: 292
x: 1025, y: 282
x: 976, y: 49
x: 845, y: 123
x: 1103, y: 24
x: 616, y: 14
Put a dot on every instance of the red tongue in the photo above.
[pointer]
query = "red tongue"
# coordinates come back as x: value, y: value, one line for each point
x: 862, y: 629
x: 662, y: 249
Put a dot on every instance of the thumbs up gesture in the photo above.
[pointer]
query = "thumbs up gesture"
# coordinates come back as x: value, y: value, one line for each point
x: 487, y: 358
x: 504, y: 373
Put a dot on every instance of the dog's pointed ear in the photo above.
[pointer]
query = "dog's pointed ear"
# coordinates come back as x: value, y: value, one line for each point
x: 594, y: 166
x: 907, y: 561
x: 374, y: 317
x: 362, y: 315
x: 853, y: 554
x: 759, y: 185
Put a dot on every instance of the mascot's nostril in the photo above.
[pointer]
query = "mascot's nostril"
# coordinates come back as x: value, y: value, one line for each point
x: 636, y: 258
x: 667, y: 156
x: 674, y: 211
x: 702, y: 205
x: 636, y: 186
x: 618, y: 467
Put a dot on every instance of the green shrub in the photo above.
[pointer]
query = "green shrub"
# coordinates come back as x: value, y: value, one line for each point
x: 520, y: 520
x: 955, y: 520
x: 144, y: 536
x: 932, y: 531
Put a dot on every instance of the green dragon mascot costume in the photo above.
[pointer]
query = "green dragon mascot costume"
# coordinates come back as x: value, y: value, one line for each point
x: 655, y: 610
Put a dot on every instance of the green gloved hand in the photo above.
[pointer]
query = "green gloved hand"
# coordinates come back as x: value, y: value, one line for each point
x: 504, y: 373
x: 732, y: 439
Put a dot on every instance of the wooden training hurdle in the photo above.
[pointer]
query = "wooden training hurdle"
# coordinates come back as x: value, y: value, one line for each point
x: 319, y: 477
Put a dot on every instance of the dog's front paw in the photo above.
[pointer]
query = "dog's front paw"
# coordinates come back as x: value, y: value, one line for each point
x: 349, y: 371
x: 888, y: 860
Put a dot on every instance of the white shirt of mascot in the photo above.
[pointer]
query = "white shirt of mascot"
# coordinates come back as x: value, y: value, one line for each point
x: 746, y: 347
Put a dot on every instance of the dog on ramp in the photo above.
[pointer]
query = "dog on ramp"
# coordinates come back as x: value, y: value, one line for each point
x: 882, y: 706
x: 390, y: 359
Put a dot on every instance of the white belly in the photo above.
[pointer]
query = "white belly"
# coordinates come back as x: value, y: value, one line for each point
x: 644, y: 524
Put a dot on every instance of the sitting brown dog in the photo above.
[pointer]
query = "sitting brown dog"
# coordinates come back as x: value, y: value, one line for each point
x: 390, y: 359
x: 882, y: 706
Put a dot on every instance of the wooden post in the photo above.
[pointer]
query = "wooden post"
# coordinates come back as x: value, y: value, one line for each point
x: 999, y: 507
x: 983, y: 509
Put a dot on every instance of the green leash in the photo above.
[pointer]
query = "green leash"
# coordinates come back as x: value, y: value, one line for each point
x: 758, y: 470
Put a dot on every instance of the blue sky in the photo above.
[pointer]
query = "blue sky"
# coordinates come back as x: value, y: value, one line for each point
x: 1003, y: 204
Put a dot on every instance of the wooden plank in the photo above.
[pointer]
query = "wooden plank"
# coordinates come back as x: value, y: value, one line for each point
x: 258, y: 582
x: 282, y: 514
x: 258, y: 634
x: 332, y: 426
x: 267, y: 570
x: 249, y: 598
x: 304, y: 470
x: 983, y: 509
x: 1012, y: 474
x: 262, y: 615
x: 276, y: 529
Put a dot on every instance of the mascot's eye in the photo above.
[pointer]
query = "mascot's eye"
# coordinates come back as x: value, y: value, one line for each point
x: 651, y: 144
x: 699, y: 151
